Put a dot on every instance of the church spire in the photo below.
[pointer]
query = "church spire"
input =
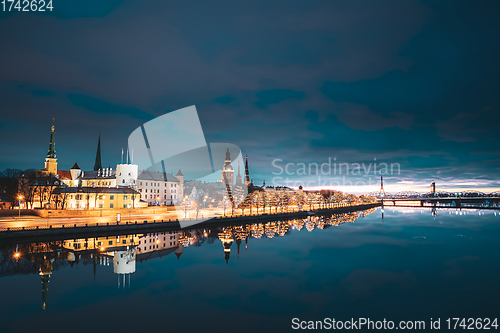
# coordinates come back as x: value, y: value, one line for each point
x: 238, y: 177
x: 52, y: 145
x: 97, y: 165
x: 247, y: 175
x: 51, y: 160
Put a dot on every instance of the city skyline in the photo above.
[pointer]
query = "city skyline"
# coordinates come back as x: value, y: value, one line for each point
x: 341, y: 84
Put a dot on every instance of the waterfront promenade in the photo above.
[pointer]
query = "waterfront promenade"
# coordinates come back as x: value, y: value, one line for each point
x: 54, y: 231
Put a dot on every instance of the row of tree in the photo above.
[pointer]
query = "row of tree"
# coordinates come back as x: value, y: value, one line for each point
x: 281, y: 201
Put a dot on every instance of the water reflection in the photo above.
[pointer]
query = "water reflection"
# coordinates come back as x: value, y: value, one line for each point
x: 122, y: 252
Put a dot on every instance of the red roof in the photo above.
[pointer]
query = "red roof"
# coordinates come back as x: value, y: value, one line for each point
x: 64, y: 174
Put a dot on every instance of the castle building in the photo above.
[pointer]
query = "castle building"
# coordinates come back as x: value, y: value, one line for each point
x: 159, y: 188
x: 124, y: 187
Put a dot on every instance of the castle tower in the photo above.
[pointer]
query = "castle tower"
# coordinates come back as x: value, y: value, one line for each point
x: 97, y: 165
x: 227, y: 170
x: 75, y: 172
x: 180, y: 191
x: 247, y: 175
x: 126, y: 175
x: 51, y: 160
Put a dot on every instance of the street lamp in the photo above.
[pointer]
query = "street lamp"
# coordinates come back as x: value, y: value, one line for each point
x: 20, y: 198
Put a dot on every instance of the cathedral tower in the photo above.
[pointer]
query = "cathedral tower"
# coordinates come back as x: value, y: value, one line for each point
x: 51, y: 160
x: 227, y: 170
x: 247, y: 175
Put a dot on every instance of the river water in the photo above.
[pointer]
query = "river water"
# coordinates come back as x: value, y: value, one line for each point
x: 397, y: 264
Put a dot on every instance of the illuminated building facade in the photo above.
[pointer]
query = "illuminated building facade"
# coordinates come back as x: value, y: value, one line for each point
x: 124, y: 187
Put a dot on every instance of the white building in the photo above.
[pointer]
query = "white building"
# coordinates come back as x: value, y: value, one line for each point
x: 156, y: 188
x: 159, y: 241
x: 159, y: 188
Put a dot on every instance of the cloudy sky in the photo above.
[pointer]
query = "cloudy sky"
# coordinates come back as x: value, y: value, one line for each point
x: 408, y: 82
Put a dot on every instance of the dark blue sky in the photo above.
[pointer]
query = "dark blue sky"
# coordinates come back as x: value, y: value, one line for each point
x: 409, y: 82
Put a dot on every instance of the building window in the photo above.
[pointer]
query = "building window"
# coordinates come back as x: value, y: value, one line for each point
x: 111, y: 197
x: 111, y: 205
x: 110, y: 243
x: 124, y: 205
x: 146, y: 183
x: 124, y: 241
x: 100, y: 205
x: 124, y: 197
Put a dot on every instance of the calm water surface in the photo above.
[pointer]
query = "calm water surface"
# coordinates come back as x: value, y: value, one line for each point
x: 411, y: 265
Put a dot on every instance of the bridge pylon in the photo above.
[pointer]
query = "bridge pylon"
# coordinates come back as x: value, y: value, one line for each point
x: 381, y: 193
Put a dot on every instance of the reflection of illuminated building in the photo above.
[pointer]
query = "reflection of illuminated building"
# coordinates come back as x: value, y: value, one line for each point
x: 124, y: 264
x: 45, y: 271
x: 157, y: 241
x: 270, y: 229
x: 178, y: 251
x: 101, y: 243
x: 122, y: 252
x: 226, y: 238
x: 299, y: 225
x: 241, y: 234
x: 310, y: 225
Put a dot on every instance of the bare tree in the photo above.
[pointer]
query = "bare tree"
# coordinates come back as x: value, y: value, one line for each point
x: 64, y: 197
